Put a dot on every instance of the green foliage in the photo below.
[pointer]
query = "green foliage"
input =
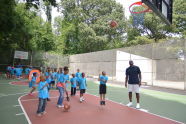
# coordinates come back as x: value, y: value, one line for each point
x: 91, y: 30
x: 36, y: 3
x: 139, y: 40
x: 179, y: 18
x: 83, y: 28
x: 23, y: 30
x: 154, y: 28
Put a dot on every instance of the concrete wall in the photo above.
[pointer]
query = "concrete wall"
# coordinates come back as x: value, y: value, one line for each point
x: 122, y: 62
x: 94, y: 63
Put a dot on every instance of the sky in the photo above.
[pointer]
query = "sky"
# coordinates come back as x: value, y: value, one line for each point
x: 125, y: 3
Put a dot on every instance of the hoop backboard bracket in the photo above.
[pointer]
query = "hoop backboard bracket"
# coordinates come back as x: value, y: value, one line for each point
x: 163, y: 8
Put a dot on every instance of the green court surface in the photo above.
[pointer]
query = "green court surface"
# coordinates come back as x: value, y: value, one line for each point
x: 168, y: 105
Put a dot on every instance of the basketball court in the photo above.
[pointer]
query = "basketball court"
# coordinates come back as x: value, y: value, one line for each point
x: 157, y: 107
x: 87, y: 112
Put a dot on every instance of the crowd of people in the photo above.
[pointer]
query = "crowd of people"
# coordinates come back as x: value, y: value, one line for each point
x: 60, y: 79
x: 17, y: 71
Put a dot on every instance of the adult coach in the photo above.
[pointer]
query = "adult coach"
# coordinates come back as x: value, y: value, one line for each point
x: 133, y: 77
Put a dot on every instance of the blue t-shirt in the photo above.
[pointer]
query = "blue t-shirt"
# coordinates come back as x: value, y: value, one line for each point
x: 82, y: 83
x: 43, y: 93
x: 54, y: 76
x: 9, y: 68
x: 18, y: 71
x: 27, y: 71
x: 78, y: 74
x: 47, y: 74
x: 64, y: 78
x: 73, y: 82
x: 103, y: 79
x: 33, y: 79
x: 58, y: 75
x: 13, y: 71
x: 133, y: 72
x: 48, y: 80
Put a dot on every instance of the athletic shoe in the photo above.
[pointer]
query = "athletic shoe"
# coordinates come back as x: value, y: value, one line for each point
x: 104, y: 103
x: 138, y: 106
x: 43, y: 113
x: 129, y: 104
x: 60, y: 106
x: 39, y: 115
x: 101, y: 102
x: 83, y: 99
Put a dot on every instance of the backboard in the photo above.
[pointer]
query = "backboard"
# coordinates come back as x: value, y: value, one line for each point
x: 163, y: 8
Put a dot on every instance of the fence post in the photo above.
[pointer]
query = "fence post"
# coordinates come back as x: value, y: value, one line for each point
x: 184, y: 51
x: 31, y: 57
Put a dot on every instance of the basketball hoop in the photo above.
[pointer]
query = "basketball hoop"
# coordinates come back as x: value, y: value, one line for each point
x: 146, y: 8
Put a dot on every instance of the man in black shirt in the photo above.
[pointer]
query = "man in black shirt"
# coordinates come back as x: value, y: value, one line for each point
x: 133, y: 77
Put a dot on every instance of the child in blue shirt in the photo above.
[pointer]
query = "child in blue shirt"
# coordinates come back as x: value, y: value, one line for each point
x: 53, y: 77
x: 49, y: 81
x: 73, y: 81
x: 32, y: 83
x: 13, y: 72
x: 82, y: 86
x: 102, y: 87
x: 78, y: 76
x: 27, y: 71
x: 61, y: 85
x: 43, y: 95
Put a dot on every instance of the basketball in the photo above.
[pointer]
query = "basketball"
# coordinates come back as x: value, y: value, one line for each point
x: 113, y: 24
x: 66, y: 106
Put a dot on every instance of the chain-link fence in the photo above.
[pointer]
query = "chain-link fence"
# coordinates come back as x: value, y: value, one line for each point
x: 36, y: 59
x: 162, y: 64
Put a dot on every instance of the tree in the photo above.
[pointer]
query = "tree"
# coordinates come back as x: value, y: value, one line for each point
x: 23, y: 30
x: 91, y: 25
x: 179, y: 18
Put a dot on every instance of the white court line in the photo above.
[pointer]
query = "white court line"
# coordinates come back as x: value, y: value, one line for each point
x: 37, y: 99
x: 12, y: 94
x: 20, y: 114
x: 27, y: 118
x: 16, y: 105
x: 142, y: 111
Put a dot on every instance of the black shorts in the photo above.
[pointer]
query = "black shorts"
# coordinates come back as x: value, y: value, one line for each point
x: 82, y: 91
x: 52, y: 82
x: 102, y: 89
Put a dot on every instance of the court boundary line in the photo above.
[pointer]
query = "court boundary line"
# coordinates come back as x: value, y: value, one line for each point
x: 143, y: 111
x: 12, y: 94
x: 26, y: 115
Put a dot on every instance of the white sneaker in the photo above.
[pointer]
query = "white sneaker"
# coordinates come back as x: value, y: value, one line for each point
x: 138, y: 106
x: 81, y: 99
x: 129, y: 104
x: 60, y: 106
